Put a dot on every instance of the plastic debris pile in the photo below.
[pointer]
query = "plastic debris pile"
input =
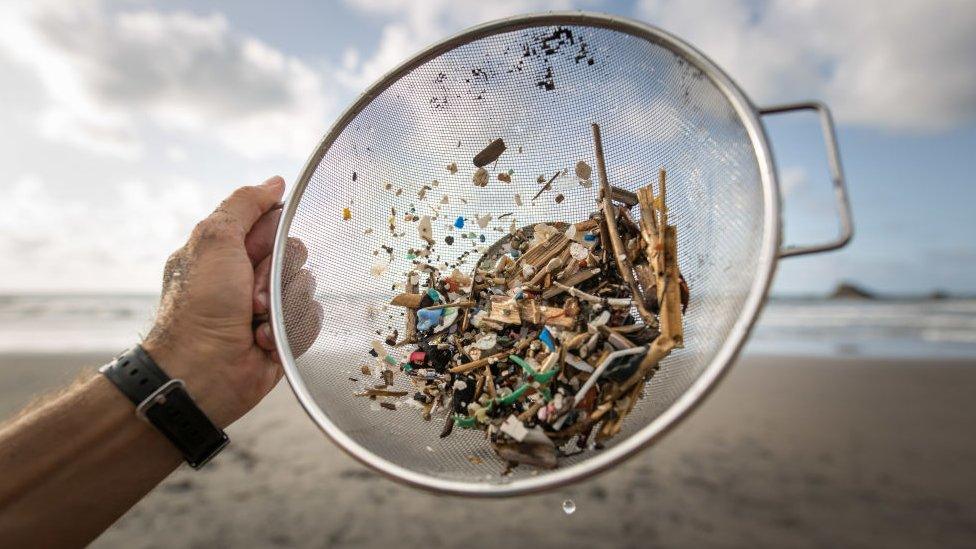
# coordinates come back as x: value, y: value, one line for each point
x: 551, y: 339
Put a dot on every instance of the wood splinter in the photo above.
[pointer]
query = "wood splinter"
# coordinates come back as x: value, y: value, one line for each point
x: 610, y: 220
x: 660, y: 240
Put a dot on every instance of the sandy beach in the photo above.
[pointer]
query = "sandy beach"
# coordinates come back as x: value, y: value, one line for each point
x: 788, y: 452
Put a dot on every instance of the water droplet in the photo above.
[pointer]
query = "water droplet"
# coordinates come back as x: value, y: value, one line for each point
x: 569, y: 507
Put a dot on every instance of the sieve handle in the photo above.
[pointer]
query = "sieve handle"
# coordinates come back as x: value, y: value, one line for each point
x: 836, y: 175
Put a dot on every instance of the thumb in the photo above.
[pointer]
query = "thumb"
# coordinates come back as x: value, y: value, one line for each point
x: 247, y: 204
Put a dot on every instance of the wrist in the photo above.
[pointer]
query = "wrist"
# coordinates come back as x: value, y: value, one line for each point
x: 205, y: 391
x: 164, y: 401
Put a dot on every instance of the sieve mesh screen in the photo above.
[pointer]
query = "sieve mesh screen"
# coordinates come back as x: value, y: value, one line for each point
x: 539, y: 88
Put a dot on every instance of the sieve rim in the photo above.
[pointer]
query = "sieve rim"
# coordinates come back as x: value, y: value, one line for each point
x: 678, y: 410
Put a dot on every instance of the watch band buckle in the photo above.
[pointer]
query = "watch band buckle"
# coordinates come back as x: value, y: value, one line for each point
x: 158, y: 396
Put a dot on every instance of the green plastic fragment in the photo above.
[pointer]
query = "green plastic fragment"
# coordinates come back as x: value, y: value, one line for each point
x: 516, y: 394
x: 525, y: 365
x: 541, y: 378
x: 546, y: 377
x: 464, y: 422
x: 411, y: 256
x: 391, y: 360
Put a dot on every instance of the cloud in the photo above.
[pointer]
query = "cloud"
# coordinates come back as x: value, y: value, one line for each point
x: 109, y: 72
x: 894, y: 65
x: 55, y: 240
x: 905, y: 66
x: 415, y: 24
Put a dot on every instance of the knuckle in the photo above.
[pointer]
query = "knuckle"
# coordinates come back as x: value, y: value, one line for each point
x: 173, y: 266
x: 174, y: 259
x: 215, y: 227
x: 202, y: 230
x: 243, y: 193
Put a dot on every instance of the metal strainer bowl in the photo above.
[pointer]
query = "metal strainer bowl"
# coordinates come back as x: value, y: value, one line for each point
x: 538, y: 82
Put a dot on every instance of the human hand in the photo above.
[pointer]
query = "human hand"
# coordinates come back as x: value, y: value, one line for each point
x: 213, y: 289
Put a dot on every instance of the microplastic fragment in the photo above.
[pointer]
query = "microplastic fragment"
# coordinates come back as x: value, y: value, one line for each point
x: 480, y: 177
x: 490, y: 153
x: 583, y: 170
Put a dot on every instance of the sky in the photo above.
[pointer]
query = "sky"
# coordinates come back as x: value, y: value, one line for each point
x: 122, y: 124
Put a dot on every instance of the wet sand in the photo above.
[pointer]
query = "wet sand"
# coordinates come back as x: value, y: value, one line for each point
x: 788, y: 452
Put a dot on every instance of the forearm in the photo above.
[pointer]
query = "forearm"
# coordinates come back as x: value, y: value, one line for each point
x: 72, y: 466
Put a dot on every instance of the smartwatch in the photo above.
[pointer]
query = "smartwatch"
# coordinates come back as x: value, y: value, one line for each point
x: 165, y: 404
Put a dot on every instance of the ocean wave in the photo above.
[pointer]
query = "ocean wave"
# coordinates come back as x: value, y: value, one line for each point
x: 87, y: 323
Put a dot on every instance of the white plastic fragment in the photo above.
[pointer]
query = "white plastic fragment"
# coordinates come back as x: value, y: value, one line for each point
x: 378, y: 268
x: 591, y: 381
x: 486, y: 342
x: 515, y: 429
x: 445, y: 199
x: 578, y: 251
x: 483, y: 220
x: 425, y: 230
x: 478, y: 317
x: 541, y: 233
x: 379, y: 348
x: 600, y: 320
x: 450, y: 315
x: 578, y: 363
x: 518, y: 199
x: 536, y: 435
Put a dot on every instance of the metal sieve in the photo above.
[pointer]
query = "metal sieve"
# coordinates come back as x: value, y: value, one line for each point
x: 538, y: 82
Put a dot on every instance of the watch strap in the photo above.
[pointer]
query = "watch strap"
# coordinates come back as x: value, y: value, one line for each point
x: 166, y: 404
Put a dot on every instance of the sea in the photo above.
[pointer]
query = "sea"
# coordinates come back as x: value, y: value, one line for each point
x: 887, y: 328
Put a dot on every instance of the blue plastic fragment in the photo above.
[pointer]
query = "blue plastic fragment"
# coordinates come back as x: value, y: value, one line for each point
x: 459, y: 222
x: 589, y: 237
x: 515, y: 254
x: 546, y: 338
x: 434, y: 294
x: 428, y: 318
